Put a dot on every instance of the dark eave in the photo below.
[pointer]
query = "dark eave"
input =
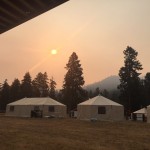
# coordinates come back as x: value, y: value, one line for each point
x: 16, y: 12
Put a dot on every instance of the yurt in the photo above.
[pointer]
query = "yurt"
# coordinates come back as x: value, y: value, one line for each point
x: 148, y: 114
x: 100, y: 108
x: 35, y: 107
x: 140, y: 115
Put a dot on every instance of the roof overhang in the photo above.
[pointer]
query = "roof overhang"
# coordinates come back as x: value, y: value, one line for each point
x: 16, y: 12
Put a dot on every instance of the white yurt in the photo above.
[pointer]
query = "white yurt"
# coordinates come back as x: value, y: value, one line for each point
x: 27, y: 107
x: 100, y: 108
x: 140, y: 115
x: 148, y: 113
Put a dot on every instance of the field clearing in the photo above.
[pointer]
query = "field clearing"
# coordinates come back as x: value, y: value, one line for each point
x: 72, y: 134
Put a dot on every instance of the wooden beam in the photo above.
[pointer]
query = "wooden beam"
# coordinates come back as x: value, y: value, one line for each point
x: 12, y: 5
x: 8, y: 13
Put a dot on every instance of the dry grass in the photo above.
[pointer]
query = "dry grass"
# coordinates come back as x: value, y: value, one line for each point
x: 71, y: 134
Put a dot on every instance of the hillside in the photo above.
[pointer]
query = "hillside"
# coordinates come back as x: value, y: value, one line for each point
x: 109, y: 83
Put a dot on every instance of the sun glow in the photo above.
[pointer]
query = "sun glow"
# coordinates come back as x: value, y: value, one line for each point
x: 53, y: 51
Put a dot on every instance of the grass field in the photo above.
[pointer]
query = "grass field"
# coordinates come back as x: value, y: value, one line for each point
x: 71, y: 134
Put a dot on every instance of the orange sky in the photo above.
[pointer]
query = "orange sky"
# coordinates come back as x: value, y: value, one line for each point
x: 98, y: 31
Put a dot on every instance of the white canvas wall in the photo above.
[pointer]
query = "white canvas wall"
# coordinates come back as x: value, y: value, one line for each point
x: 25, y: 110
x: 87, y: 112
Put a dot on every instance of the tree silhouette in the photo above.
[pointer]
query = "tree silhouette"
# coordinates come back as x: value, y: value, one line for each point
x: 52, y: 87
x: 72, y: 91
x: 147, y: 88
x: 40, y: 85
x: 15, y: 90
x: 5, y: 95
x: 130, y: 81
x: 26, y: 85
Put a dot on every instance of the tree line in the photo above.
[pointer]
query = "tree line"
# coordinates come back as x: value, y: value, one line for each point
x: 40, y: 86
x: 71, y: 93
x: 134, y: 92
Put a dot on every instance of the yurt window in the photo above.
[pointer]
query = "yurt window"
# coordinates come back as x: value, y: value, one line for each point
x: 51, y: 109
x: 11, y: 108
x: 101, y: 110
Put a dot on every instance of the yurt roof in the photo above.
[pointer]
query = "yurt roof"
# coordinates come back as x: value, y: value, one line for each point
x: 99, y: 100
x: 141, y: 111
x: 36, y: 101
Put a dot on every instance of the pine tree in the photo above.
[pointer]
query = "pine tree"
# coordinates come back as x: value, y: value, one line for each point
x: 52, y: 87
x: 26, y: 86
x: 40, y: 85
x: 15, y: 90
x: 130, y: 81
x: 72, y: 91
x: 147, y: 88
x: 5, y: 95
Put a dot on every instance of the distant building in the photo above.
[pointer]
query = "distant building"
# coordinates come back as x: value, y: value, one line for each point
x: 36, y: 107
x: 100, y: 108
x: 140, y: 115
x: 148, y: 114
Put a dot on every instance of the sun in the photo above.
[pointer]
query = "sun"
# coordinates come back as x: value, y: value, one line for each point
x: 53, y: 51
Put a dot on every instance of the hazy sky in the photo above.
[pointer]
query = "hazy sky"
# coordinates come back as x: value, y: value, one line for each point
x: 97, y: 30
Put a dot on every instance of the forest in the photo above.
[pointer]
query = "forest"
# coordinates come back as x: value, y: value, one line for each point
x: 133, y: 92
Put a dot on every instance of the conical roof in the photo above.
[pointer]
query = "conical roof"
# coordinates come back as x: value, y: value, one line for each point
x: 141, y: 111
x: 36, y: 101
x: 99, y: 100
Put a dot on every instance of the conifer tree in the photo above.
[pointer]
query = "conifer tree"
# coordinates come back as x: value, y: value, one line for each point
x: 130, y: 81
x: 72, y: 91
x: 26, y: 86
x: 15, y: 90
x: 5, y: 95
x: 147, y: 88
x: 40, y: 85
x: 52, y: 87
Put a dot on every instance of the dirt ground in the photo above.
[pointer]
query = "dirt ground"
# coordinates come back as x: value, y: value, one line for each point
x: 72, y: 134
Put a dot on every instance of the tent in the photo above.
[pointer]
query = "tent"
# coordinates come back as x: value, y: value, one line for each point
x: 100, y: 108
x: 141, y: 111
x: 29, y: 107
x: 140, y: 114
x: 148, y: 114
